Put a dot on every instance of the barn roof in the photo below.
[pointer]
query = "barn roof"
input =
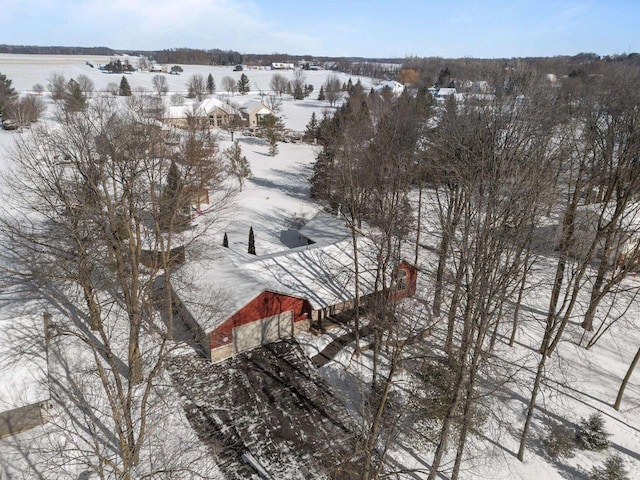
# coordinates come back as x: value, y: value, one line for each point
x: 324, y: 274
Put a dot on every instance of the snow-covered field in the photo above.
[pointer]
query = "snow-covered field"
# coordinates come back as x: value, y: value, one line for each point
x: 580, y: 382
x: 27, y: 70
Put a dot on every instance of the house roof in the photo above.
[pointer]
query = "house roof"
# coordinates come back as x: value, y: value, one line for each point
x: 210, y: 105
x: 324, y: 274
x: 256, y: 107
x: 445, y: 92
x: 324, y: 229
x: 204, y: 108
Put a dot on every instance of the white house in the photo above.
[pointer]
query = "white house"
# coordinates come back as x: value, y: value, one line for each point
x: 396, y: 87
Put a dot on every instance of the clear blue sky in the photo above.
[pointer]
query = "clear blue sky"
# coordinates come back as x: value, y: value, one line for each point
x: 373, y: 28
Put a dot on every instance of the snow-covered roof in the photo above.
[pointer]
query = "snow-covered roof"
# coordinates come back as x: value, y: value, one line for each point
x: 210, y: 105
x: 256, y: 107
x: 324, y: 229
x: 396, y: 87
x: 204, y: 108
x: 445, y: 92
x: 322, y: 274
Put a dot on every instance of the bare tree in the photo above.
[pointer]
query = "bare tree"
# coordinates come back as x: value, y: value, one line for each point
x: 279, y: 83
x: 298, y: 84
x: 88, y: 245
x: 229, y: 84
x: 176, y: 99
x: 160, y: 84
x: 57, y: 85
x: 273, y: 102
x: 86, y: 85
x: 332, y: 89
x: 196, y: 87
x: 496, y: 156
x: 112, y: 88
x: 38, y: 88
x: 25, y: 111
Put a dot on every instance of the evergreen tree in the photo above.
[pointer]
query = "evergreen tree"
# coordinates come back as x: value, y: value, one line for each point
x: 308, y: 90
x: 238, y: 165
x: 321, y: 94
x: 211, y: 85
x: 252, y: 242
x: 311, y: 131
x: 7, y: 92
x: 125, y: 89
x: 243, y: 84
x: 350, y: 86
x: 225, y: 241
x: 273, y: 130
x: 357, y: 90
x: 172, y: 201
x: 612, y: 469
x: 298, y: 94
x: 74, y: 99
x: 591, y: 434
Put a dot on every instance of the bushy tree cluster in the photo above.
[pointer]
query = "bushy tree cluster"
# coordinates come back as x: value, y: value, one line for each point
x: 118, y: 66
x: 591, y: 434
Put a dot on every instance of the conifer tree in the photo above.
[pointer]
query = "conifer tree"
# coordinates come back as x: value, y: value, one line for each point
x: 211, y: 85
x: 321, y: 94
x: 7, y: 92
x: 171, y: 201
x: 225, y: 241
x: 74, y: 99
x: 273, y: 128
x: 238, y: 165
x: 243, y: 84
x: 311, y: 131
x: 125, y: 89
x: 252, y: 242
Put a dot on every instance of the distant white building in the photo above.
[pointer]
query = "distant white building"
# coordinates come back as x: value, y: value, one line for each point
x: 396, y: 87
x: 282, y: 66
x: 445, y: 92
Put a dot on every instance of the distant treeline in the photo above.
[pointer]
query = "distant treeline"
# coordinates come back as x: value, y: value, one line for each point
x: 34, y: 49
x: 191, y: 56
x: 429, y: 70
x: 185, y: 56
x: 437, y: 70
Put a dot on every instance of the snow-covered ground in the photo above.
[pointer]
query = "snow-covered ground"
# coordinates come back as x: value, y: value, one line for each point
x: 27, y: 70
x: 580, y: 381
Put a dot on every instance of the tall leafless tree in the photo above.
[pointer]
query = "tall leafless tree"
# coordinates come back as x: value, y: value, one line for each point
x: 81, y: 226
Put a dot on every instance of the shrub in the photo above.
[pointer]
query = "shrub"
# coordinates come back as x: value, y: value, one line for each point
x: 560, y: 443
x: 591, y: 434
x: 611, y: 469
